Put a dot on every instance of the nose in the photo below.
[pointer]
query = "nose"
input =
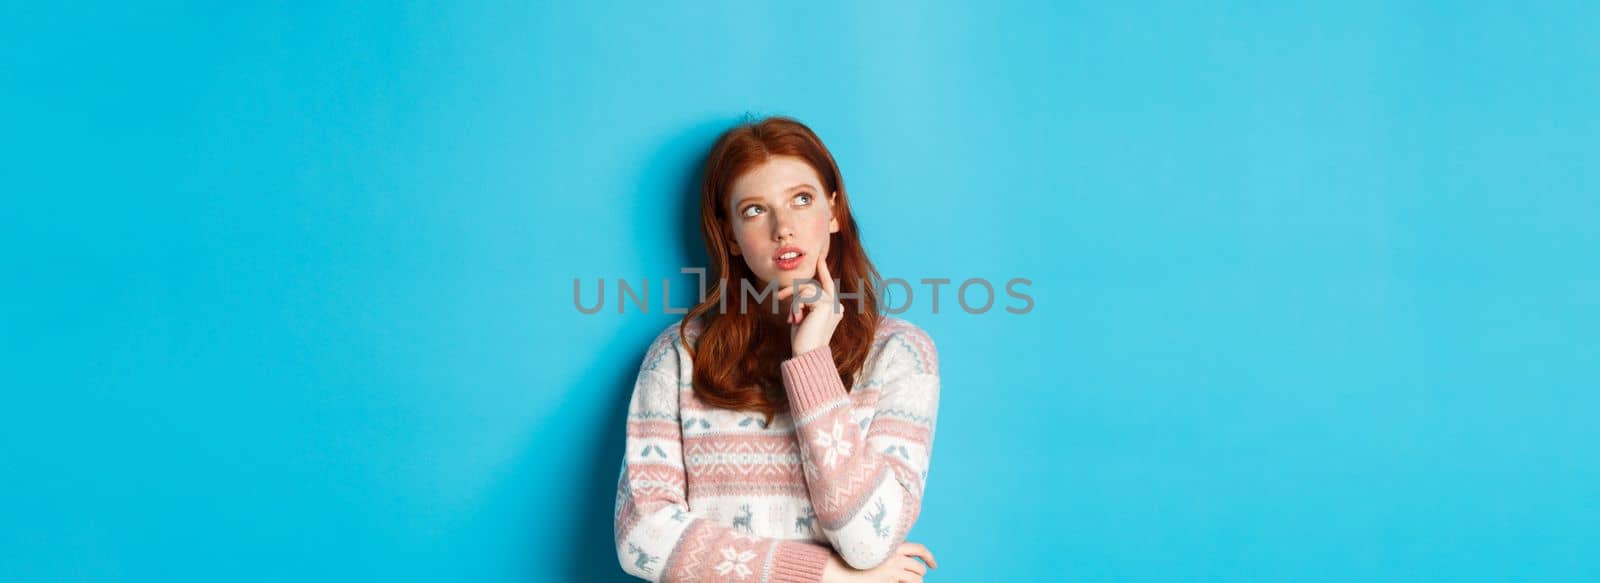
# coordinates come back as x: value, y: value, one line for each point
x: 782, y: 226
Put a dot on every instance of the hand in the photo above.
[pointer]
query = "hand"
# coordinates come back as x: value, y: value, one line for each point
x: 812, y: 321
x: 902, y: 567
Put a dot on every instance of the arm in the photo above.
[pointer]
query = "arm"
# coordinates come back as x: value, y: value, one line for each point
x: 658, y: 538
x: 866, y: 476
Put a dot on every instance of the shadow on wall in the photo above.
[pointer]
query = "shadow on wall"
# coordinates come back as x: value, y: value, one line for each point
x: 675, y: 172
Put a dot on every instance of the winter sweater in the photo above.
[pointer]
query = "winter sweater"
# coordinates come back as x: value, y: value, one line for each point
x: 711, y: 494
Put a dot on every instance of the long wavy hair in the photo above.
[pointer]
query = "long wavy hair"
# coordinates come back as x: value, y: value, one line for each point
x: 736, y: 360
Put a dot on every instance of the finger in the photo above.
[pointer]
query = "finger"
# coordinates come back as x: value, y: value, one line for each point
x: 917, y: 550
x: 914, y: 566
x: 808, y: 291
x: 822, y: 270
x: 833, y: 306
x: 799, y: 288
x: 797, y: 310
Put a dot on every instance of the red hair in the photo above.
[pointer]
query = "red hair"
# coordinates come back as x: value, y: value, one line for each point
x: 736, y: 361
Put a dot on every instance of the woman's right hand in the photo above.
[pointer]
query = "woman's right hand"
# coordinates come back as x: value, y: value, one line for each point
x: 902, y: 567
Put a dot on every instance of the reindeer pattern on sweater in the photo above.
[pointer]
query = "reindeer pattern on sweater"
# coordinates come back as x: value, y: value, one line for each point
x: 711, y: 494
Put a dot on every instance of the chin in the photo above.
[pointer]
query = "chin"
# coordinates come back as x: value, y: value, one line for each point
x: 785, y: 278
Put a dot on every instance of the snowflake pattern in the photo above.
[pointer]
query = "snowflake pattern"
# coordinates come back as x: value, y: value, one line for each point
x: 833, y: 445
x: 736, y: 561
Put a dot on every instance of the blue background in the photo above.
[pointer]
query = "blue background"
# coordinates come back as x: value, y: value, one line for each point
x: 288, y: 288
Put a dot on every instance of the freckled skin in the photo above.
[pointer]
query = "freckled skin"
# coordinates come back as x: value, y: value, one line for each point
x: 783, y: 217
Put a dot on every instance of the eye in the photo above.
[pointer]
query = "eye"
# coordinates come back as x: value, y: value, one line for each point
x: 750, y: 211
x: 804, y: 198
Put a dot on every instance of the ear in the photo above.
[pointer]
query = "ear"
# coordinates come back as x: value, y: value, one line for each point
x: 833, y: 219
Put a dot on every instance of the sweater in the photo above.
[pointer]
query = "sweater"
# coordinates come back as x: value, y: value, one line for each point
x: 711, y: 494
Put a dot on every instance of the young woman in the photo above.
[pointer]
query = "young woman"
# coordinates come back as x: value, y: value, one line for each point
x: 779, y: 433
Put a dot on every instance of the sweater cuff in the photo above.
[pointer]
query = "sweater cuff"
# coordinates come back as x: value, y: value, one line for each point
x: 798, y: 562
x: 812, y: 380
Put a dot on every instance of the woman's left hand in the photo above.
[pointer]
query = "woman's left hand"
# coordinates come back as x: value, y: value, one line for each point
x: 816, y: 318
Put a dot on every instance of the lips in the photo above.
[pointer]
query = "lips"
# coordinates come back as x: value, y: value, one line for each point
x: 792, y: 262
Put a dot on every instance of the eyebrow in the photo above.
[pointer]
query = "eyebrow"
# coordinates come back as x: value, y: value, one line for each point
x: 787, y: 190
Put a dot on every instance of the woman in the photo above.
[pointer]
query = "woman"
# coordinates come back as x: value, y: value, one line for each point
x: 781, y: 431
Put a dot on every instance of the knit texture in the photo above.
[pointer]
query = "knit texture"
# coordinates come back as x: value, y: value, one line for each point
x: 709, y: 494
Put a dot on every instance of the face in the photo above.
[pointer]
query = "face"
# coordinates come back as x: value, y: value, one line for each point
x: 778, y: 209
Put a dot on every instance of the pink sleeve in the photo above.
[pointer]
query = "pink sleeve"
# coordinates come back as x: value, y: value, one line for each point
x: 866, y: 468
